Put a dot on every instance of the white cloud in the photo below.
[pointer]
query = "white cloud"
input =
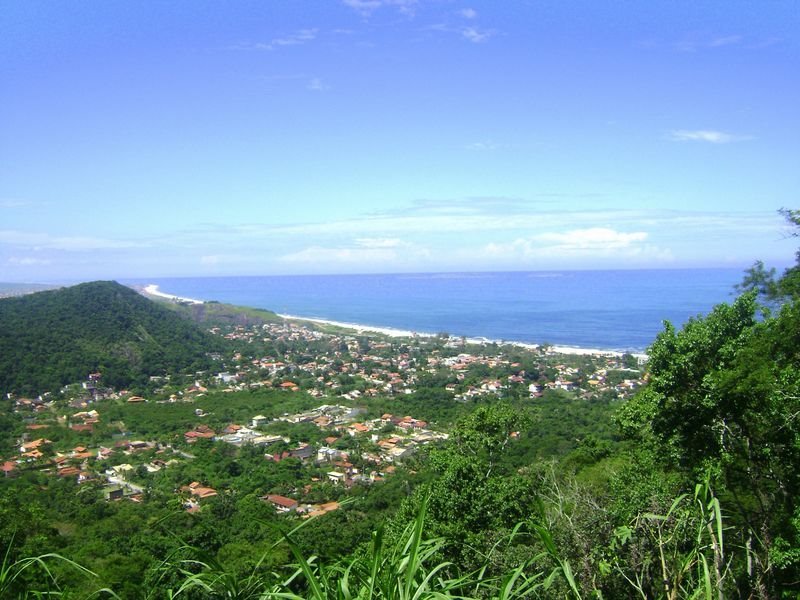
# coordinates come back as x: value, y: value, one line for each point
x: 328, y: 256
x: 379, y: 242
x: 442, y: 223
x: 590, y: 243
x: 367, y: 7
x: 595, y: 238
x: 28, y: 261
x: 13, y: 203
x: 453, y: 218
x: 77, y: 243
x: 368, y: 252
x: 482, y: 146
x: 705, y: 135
x: 468, y: 13
x: 316, y: 85
x: 705, y: 41
x: 725, y: 41
x: 301, y: 36
x: 456, y: 235
x: 700, y: 41
x: 469, y: 33
x: 477, y: 36
x: 363, y: 5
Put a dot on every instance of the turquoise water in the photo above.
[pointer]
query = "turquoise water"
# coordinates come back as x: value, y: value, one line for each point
x: 619, y: 310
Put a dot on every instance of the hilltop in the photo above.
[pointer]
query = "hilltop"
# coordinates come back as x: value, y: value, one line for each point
x: 219, y: 314
x: 51, y: 338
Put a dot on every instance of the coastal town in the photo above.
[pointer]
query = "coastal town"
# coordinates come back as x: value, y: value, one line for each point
x: 344, y: 409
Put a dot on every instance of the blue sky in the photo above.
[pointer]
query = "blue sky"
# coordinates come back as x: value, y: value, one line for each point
x: 190, y: 138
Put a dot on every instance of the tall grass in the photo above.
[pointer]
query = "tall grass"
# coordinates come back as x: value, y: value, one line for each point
x: 407, y: 568
x: 687, y: 556
x: 17, y: 576
x: 677, y: 554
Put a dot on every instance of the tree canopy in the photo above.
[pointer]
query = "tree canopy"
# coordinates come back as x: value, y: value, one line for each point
x: 52, y: 338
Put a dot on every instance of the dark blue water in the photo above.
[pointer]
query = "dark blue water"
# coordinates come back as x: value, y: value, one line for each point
x: 621, y: 310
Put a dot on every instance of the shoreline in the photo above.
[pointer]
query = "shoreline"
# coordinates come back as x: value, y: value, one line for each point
x: 403, y: 333
x: 153, y: 290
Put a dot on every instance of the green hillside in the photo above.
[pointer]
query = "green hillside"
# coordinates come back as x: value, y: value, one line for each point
x: 56, y: 337
x: 219, y: 314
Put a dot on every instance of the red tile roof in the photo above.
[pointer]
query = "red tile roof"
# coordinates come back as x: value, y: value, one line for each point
x: 281, y: 501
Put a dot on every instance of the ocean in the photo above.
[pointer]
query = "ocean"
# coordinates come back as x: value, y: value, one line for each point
x: 609, y: 310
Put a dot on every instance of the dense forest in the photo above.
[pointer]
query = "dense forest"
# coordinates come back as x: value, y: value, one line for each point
x: 687, y: 490
x: 52, y: 338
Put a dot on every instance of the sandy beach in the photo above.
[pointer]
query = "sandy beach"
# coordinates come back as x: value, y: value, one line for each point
x: 401, y: 333
x: 153, y: 290
x: 388, y: 331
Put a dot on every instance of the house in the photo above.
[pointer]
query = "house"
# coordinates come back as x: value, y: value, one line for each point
x: 258, y: 421
x: 357, y: 428
x: 119, y: 472
x: 322, y: 421
x: 69, y: 472
x: 113, y: 492
x: 281, y: 503
x: 197, y: 388
x: 336, y: 477
x: 560, y: 384
x: 303, y: 452
x: 104, y: 453
x: 199, y: 491
x: 326, y: 454
x: 81, y: 453
x: 34, y: 445
x: 398, y: 453
x: 199, y: 432
x: 227, y: 378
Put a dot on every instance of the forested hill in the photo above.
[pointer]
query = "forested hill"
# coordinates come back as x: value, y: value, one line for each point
x: 52, y: 338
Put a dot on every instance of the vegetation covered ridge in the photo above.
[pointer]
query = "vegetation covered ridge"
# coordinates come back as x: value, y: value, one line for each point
x: 51, y: 338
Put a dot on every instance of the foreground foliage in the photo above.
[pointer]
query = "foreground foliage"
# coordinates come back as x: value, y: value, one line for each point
x: 682, y: 553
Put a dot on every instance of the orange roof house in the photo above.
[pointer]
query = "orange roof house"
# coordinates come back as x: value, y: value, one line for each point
x: 281, y: 503
x: 34, y: 445
x: 199, y: 432
x: 199, y: 491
